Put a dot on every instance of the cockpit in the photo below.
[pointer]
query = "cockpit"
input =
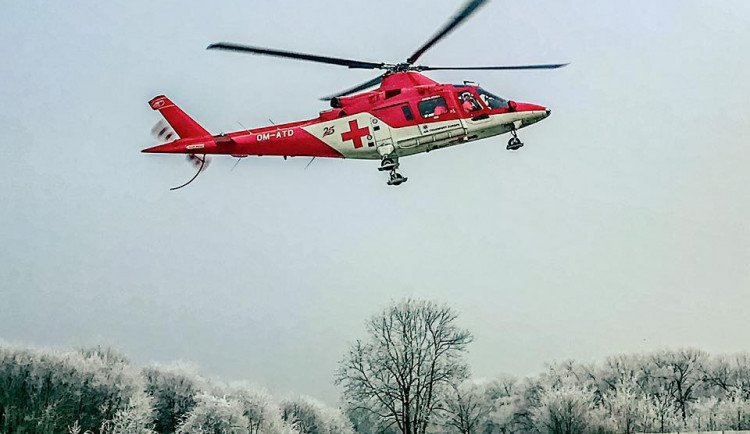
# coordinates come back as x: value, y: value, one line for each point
x: 468, y: 101
x: 490, y: 100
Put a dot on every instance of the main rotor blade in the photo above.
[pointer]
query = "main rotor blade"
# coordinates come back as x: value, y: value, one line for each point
x: 366, y: 85
x: 354, y: 64
x: 490, y: 68
x: 465, y: 12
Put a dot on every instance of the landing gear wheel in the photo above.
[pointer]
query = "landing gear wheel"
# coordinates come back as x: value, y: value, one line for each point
x: 388, y: 164
x: 514, y: 144
x: 396, y: 178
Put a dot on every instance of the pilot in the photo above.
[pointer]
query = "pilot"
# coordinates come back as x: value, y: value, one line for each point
x: 440, y: 109
x: 468, y: 104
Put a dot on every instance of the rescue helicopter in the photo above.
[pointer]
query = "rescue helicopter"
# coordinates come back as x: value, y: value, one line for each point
x: 408, y: 113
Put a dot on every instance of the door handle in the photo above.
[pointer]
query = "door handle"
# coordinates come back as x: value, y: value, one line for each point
x: 481, y: 117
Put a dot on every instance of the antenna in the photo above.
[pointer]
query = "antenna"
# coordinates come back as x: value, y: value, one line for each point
x: 243, y: 127
x: 308, y: 164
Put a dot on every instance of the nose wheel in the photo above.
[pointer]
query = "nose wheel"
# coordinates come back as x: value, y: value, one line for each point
x: 396, y: 178
x: 390, y: 164
x: 514, y: 143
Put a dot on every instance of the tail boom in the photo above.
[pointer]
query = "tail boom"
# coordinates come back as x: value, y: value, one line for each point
x: 279, y: 140
x: 301, y: 144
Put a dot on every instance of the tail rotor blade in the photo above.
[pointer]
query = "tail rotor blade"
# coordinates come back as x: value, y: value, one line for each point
x: 163, y: 132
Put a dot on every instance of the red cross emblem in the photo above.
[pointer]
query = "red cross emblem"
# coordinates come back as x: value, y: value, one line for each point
x: 355, y: 134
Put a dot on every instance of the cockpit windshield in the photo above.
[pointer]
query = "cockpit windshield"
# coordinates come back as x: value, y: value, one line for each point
x: 492, y: 101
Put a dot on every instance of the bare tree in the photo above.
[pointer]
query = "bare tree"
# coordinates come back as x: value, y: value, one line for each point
x: 680, y: 370
x: 730, y: 374
x: 412, y: 354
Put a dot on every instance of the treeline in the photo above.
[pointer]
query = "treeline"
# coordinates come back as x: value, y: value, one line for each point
x: 407, y: 375
x: 100, y: 391
x: 667, y: 391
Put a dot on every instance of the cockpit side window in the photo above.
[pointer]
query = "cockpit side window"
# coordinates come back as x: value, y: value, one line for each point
x: 430, y: 108
x: 468, y: 102
x: 492, y: 101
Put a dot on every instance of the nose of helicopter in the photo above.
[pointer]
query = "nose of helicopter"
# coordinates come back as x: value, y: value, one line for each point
x: 533, y: 111
x: 527, y: 107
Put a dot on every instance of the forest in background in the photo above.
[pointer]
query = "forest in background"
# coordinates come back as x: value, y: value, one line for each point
x: 99, y: 390
x: 407, y: 376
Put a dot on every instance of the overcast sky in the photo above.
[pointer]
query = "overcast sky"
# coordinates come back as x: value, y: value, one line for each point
x: 622, y: 225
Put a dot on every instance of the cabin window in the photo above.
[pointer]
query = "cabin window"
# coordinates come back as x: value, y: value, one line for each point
x: 407, y: 113
x: 432, y: 107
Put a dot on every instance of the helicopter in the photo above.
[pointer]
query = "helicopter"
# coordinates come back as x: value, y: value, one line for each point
x: 407, y: 114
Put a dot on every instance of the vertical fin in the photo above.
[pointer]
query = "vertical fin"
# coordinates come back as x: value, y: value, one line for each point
x: 183, y: 124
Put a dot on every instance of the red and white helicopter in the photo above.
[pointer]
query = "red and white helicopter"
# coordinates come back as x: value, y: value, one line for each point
x: 407, y: 114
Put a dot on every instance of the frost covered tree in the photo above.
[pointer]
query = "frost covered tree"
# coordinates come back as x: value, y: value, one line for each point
x: 135, y: 418
x: 49, y: 391
x: 503, y: 399
x: 629, y: 410
x: 735, y: 413
x: 565, y: 409
x: 663, y: 410
x: 412, y: 353
x: 564, y: 400
x: 215, y: 415
x: 308, y: 416
x: 239, y: 408
x: 260, y: 409
x: 173, y: 389
x: 726, y: 381
x: 465, y: 408
x: 705, y: 415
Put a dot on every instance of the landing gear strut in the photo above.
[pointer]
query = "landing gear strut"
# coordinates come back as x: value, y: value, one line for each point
x: 391, y: 164
x: 514, y: 143
x: 388, y: 164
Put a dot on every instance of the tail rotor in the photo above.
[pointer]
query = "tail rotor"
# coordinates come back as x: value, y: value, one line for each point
x: 176, y: 125
x: 163, y: 132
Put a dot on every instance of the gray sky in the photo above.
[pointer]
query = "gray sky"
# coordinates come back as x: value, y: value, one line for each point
x: 621, y: 226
